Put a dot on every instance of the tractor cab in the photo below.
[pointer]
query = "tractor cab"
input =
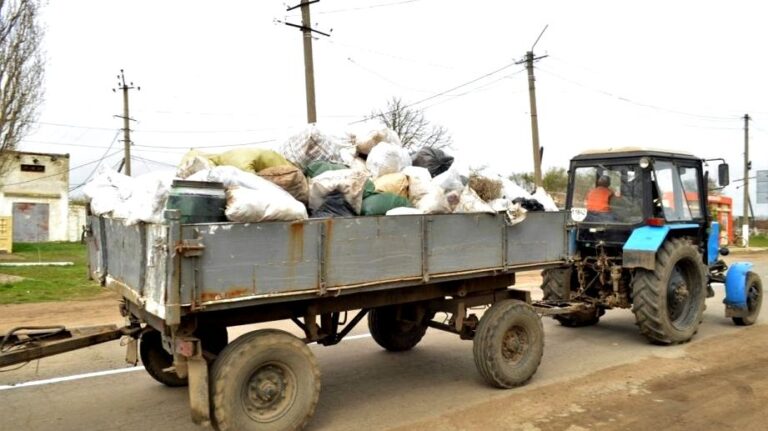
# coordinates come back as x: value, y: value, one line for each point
x: 613, y: 192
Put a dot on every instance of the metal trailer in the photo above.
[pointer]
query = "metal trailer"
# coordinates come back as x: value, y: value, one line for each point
x: 184, y: 284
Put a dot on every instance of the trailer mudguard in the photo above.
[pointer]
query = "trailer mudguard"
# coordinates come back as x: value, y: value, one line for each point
x: 736, y: 285
x: 640, y: 249
x: 713, y: 243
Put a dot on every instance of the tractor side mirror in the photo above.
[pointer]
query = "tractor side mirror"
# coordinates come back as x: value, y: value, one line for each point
x: 723, y: 178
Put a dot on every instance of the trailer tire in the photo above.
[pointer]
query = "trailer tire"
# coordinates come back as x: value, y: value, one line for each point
x: 155, y: 359
x: 754, y: 300
x: 668, y: 302
x: 398, y: 328
x: 508, y: 344
x: 553, y: 286
x: 265, y: 380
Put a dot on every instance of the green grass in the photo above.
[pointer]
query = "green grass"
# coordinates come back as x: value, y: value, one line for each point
x: 758, y: 241
x: 47, y: 283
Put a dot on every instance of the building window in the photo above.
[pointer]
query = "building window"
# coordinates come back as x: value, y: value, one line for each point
x: 32, y: 168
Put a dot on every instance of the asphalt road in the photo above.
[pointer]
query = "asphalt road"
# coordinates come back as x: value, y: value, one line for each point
x: 434, y: 386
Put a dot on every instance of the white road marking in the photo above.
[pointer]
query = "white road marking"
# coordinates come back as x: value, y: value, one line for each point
x: 109, y: 372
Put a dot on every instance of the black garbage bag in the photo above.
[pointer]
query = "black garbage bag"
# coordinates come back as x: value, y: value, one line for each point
x: 529, y: 204
x: 435, y: 160
x: 334, y: 205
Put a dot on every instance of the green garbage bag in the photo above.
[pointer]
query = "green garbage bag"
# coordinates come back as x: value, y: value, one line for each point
x: 369, y: 189
x: 317, y: 167
x: 380, y: 203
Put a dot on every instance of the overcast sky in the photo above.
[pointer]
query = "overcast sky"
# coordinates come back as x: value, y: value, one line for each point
x: 676, y: 75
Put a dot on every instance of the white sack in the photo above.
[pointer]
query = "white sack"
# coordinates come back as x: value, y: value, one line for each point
x: 470, y: 202
x: 419, y: 182
x: 404, y: 211
x: 193, y: 165
x: 230, y: 176
x: 108, y: 191
x: 366, y: 143
x: 149, y: 196
x: 545, y: 199
x: 386, y: 158
x: 434, y: 202
x: 348, y: 181
x: 449, y: 180
x: 500, y: 205
x: 311, y: 145
x: 511, y: 190
x: 267, y: 203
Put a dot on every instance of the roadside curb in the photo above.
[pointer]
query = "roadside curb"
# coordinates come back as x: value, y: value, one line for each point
x: 750, y: 250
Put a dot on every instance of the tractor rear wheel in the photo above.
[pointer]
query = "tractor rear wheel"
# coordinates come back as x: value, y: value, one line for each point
x: 555, y: 289
x: 668, y: 301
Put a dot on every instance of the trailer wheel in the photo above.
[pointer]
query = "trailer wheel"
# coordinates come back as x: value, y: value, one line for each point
x: 398, y: 328
x: 508, y: 344
x: 553, y: 286
x: 155, y: 359
x: 668, y: 302
x: 265, y: 380
x: 754, y: 300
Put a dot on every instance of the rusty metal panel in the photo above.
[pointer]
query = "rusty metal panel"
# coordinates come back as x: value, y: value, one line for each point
x: 30, y: 222
x: 368, y: 249
x: 541, y: 237
x: 157, y: 250
x: 125, y: 253
x: 464, y: 242
x: 246, y: 259
x: 94, y: 241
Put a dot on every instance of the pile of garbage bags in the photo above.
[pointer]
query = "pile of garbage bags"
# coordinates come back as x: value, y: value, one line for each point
x: 313, y: 174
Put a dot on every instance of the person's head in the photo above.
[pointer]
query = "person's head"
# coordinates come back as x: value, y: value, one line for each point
x: 604, y: 181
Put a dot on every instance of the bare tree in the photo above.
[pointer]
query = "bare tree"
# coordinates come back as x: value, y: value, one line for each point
x: 414, y: 130
x: 21, y: 72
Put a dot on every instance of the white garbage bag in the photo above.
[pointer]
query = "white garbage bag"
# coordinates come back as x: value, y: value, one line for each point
x: 511, y: 190
x: 470, y: 202
x: 366, y: 143
x: 404, y: 211
x: 545, y: 199
x: 386, y: 158
x: 434, y: 202
x: 108, y: 191
x: 311, y: 145
x: 149, y: 196
x: 449, y: 180
x: 266, y: 203
x: 419, y: 182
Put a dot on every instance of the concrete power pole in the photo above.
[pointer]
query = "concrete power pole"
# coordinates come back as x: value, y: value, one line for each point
x: 309, y: 67
x: 745, y: 223
x: 126, y: 120
x: 529, y: 59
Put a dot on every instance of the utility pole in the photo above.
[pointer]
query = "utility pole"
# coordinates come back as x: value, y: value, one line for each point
x: 126, y: 119
x: 529, y: 59
x: 309, y: 68
x: 746, y: 207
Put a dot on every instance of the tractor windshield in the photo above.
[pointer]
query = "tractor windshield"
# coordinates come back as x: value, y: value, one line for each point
x: 607, y: 194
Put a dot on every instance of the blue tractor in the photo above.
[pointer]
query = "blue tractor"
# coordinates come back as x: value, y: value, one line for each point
x: 641, y: 238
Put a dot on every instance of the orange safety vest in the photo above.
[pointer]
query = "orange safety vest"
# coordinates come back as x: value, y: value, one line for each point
x: 598, y: 200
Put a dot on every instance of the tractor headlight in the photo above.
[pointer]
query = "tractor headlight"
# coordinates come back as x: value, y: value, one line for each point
x: 645, y: 162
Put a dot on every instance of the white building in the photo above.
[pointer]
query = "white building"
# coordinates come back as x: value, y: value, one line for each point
x: 34, y: 191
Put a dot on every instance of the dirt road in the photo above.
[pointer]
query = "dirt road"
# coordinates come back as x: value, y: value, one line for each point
x: 601, y: 377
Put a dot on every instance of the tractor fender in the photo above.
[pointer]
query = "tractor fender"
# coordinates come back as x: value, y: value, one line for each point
x: 640, y: 249
x: 735, y: 285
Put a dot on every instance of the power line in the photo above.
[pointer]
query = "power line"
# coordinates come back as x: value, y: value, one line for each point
x: 472, y: 81
x: 373, y: 6
x: 633, y: 102
x: 103, y: 156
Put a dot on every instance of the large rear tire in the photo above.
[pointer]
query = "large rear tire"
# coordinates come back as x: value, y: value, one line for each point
x: 508, y: 344
x: 668, y: 302
x: 156, y: 360
x: 554, y: 285
x: 266, y: 380
x: 754, y: 300
x: 398, y: 328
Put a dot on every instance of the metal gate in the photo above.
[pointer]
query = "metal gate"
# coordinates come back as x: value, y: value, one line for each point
x: 30, y: 222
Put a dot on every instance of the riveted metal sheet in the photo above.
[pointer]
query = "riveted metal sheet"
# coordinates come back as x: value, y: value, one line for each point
x: 365, y: 249
x: 463, y: 242
x: 126, y: 260
x: 541, y: 237
x: 242, y: 259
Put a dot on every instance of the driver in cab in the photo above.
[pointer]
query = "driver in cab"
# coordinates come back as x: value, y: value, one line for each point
x: 598, y: 201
